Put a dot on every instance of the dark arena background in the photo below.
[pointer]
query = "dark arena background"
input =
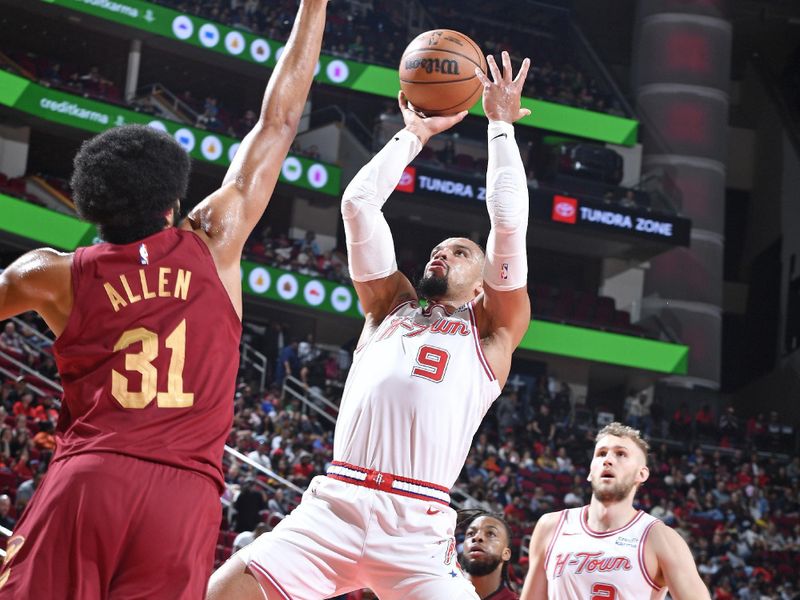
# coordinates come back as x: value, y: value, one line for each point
x: 663, y: 164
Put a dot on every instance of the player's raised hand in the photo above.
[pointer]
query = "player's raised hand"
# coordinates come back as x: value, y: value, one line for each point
x: 422, y: 126
x: 501, y: 93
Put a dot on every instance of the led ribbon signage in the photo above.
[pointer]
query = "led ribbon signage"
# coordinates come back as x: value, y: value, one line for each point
x: 61, y: 231
x: 91, y: 115
x: 332, y: 70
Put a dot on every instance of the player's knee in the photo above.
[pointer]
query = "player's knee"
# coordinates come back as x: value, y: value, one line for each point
x: 233, y: 580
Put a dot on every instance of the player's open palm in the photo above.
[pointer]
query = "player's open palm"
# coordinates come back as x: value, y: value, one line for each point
x: 423, y: 126
x: 502, y: 93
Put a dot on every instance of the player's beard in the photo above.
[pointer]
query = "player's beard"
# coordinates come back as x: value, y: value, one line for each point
x: 431, y: 287
x: 480, y: 567
x: 615, y: 493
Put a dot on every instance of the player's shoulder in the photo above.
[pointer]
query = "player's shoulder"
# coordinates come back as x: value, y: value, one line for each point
x: 546, y: 526
x: 662, y: 538
x: 41, y: 263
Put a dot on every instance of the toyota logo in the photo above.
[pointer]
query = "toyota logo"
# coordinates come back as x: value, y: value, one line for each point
x: 564, y: 209
x: 406, y: 179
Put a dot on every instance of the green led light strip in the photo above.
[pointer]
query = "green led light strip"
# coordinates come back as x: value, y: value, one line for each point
x: 67, y: 233
x: 90, y: 115
x: 371, y: 79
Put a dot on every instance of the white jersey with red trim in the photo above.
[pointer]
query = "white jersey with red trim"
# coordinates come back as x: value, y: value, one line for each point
x: 416, y: 394
x: 589, y: 565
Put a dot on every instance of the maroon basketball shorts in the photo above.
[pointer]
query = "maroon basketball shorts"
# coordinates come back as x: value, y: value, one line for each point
x: 107, y: 526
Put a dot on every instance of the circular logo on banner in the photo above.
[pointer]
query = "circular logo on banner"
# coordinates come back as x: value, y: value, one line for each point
x: 209, y: 35
x: 338, y: 71
x: 279, y: 52
x: 287, y: 286
x: 259, y: 280
x: 157, y: 125
x: 182, y: 27
x: 341, y: 298
x: 360, y: 308
x: 211, y: 147
x: 317, y: 68
x: 565, y: 209
x: 185, y: 138
x: 314, y: 292
x: 317, y: 176
x: 292, y: 169
x: 259, y: 50
x: 234, y: 42
x: 233, y: 150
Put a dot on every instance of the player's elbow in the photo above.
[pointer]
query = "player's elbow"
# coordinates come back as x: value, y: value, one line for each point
x: 356, y: 196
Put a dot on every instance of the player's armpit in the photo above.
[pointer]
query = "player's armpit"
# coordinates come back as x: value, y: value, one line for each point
x: 380, y: 296
x: 38, y: 280
x: 535, y: 587
x: 676, y: 565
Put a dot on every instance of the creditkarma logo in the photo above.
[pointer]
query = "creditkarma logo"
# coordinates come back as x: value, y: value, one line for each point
x: 115, y: 7
x: 73, y: 110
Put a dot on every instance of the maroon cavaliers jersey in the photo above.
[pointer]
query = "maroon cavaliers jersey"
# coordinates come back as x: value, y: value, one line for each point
x: 502, y: 593
x: 149, y: 355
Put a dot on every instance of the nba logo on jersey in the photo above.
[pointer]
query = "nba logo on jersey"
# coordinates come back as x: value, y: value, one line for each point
x: 144, y: 258
x: 504, y: 271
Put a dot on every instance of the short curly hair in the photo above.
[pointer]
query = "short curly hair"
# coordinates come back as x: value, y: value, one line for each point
x: 126, y: 178
x: 624, y: 431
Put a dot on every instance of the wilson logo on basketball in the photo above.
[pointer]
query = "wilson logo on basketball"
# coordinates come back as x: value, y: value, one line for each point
x: 565, y: 209
x: 445, y: 66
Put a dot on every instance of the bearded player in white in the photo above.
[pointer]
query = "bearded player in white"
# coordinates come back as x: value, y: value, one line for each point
x: 421, y: 382
x: 609, y: 550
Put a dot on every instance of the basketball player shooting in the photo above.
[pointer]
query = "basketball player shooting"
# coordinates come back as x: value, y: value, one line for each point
x: 608, y: 549
x: 148, y: 327
x: 421, y: 381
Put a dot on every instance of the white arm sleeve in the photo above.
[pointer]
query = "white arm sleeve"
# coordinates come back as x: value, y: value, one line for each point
x: 506, y: 265
x: 370, y: 248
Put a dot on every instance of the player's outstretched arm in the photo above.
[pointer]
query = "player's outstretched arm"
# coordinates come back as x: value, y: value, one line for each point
x: 226, y: 218
x: 535, y: 587
x: 370, y: 247
x: 38, y: 280
x: 676, y: 565
x: 505, y: 312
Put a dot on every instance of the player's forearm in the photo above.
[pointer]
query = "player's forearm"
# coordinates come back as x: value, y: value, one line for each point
x: 285, y: 97
x: 506, y: 265
x: 370, y: 246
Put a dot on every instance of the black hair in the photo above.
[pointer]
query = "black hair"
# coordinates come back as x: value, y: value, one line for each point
x: 466, y: 517
x: 126, y: 178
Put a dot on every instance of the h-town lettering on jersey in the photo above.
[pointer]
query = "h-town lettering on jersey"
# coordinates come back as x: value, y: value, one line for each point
x: 590, y: 562
x: 410, y: 328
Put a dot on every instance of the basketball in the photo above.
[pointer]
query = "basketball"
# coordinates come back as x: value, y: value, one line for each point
x: 437, y: 72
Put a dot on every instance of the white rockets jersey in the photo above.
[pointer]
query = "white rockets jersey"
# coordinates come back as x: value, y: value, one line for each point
x: 582, y: 564
x: 417, y: 391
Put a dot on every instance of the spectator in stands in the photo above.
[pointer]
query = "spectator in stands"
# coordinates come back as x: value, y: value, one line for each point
x: 574, y: 498
x: 24, y: 406
x: 260, y: 455
x: 729, y: 425
x: 6, y: 520
x: 247, y: 537
x: 94, y: 84
x: 309, y: 242
x: 52, y: 74
x: 248, y: 504
x: 288, y: 363
x: 681, y: 424
x: 564, y: 462
x: 704, y: 421
x: 277, y: 504
x: 208, y: 119
x: 546, y: 461
x: 44, y: 439
x: 543, y: 425
x: 244, y: 124
x: 12, y: 343
x: 45, y: 411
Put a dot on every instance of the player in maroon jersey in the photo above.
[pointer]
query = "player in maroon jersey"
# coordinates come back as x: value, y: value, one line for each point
x: 487, y: 541
x: 148, y: 327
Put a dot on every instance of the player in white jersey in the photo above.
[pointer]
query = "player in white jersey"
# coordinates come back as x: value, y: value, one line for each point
x: 607, y: 549
x: 421, y: 381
